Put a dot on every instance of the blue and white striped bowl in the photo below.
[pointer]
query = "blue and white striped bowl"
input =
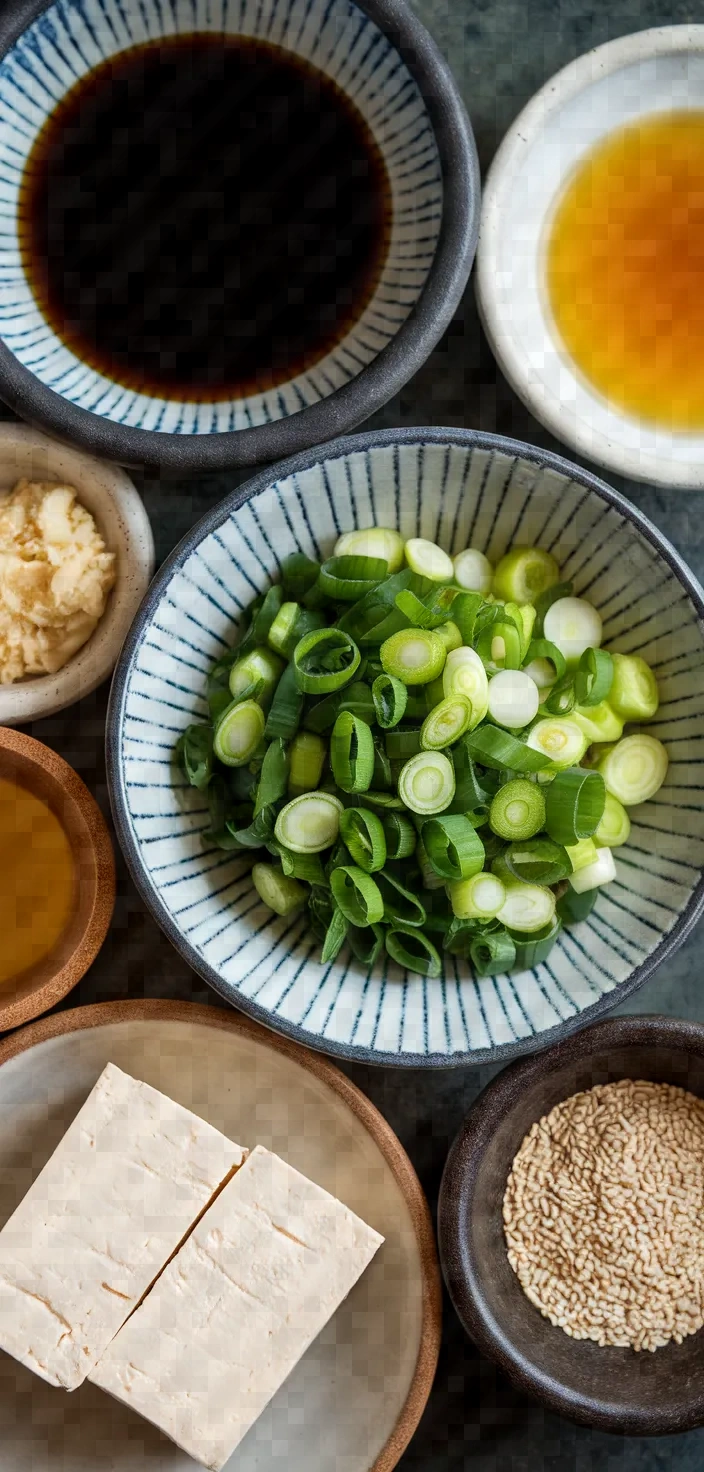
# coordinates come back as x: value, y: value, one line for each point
x: 456, y: 487
x: 383, y: 59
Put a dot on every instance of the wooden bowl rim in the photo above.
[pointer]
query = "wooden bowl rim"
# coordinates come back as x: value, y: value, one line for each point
x: 156, y: 1010
x: 34, y: 754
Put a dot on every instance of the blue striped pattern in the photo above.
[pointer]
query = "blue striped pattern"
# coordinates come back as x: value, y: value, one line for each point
x: 458, y: 494
x: 70, y: 39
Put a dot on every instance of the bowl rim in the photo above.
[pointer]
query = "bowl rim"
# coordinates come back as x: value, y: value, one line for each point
x: 656, y: 466
x: 376, y: 383
x: 336, y: 449
x: 65, y: 779
x: 457, y: 1188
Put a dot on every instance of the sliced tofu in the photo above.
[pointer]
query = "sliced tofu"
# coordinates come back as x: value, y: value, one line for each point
x: 231, y: 1315
x: 113, y: 1203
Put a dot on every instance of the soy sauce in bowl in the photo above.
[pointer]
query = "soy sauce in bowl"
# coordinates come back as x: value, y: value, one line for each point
x: 204, y: 217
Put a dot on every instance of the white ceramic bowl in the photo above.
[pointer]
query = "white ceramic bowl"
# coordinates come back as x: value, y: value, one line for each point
x: 108, y: 493
x: 650, y: 72
x: 457, y: 487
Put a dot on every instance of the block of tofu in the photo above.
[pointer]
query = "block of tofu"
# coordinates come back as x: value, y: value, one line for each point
x: 258, y: 1278
x: 114, y: 1202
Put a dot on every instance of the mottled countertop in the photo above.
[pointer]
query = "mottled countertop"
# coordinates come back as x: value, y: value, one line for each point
x: 501, y: 52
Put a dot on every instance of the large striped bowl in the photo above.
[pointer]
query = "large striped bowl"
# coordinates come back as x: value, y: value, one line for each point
x: 380, y: 56
x: 456, y: 487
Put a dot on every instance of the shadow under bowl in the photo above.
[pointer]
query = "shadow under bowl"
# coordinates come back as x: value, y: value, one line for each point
x: 644, y: 1394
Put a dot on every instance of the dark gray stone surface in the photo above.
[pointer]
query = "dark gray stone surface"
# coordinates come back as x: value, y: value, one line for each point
x: 501, y: 51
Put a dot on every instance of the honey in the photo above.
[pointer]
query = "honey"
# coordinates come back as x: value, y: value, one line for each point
x: 625, y: 269
x: 37, y: 879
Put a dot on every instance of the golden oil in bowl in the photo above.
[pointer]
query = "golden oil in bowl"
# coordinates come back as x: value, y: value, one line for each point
x: 37, y: 879
x: 625, y: 269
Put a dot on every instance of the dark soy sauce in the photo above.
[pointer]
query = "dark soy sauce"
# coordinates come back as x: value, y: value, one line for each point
x: 204, y: 217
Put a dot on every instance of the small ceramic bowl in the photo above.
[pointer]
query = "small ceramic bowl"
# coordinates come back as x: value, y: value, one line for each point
x: 651, y: 72
x: 382, y: 58
x: 34, y: 766
x: 458, y: 488
x: 642, y: 1394
x: 119, y: 512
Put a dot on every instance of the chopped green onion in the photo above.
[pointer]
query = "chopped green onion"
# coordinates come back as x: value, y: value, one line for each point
x: 574, y: 805
x: 298, y: 574
x: 390, y: 698
x: 598, y: 722
x: 387, y: 801
x: 300, y: 866
x: 517, y: 811
x: 238, y: 733
x: 545, y: 600
x: 527, y: 907
x: 402, y: 742
x: 352, y: 753
x: 355, y: 698
x: 524, y: 616
x: 400, y: 835
x: 335, y: 936
x: 363, y: 833
x: 412, y: 949
x: 414, y: 656
x: 635, y: 769
x: 430, y: 612
x: 195, y: 753
x: 260, y: 665
x: 473, y: 571
x: 467, y: 609
x: 382, y: 776
x: 615, y: 826
x: 285, y: 714
x: 309, y: 823
x: 539, y: 861
x: 325, y: 660
x: 524, y: 573
x: 492, y: 953
x: 594, y: 677
x: 366, y: 942
x: 375, y: 616
x: 573, y: 907
x: 562, y: 740
x: 453, y: 846
x: 478, y: 898
x: 498, y: 749
x: 544, y: 662
x: 427, y: 783
x: 513, y: 699
x: 290, y: 625
x: 559, y: 700
x: 634, y: 694
x: 273, y: 777
x: 265, y: 615
x: 345, y: 579
x: 445, y: 724
x: 401, y: 907
x: 429, y: 560
x: 357, y: 895
x: 535, y: 948
x: 464, y: 674
x: 602, y: 871
x: 375, y: 541
x: 581, y: 854
x: 320, y: 909
x: 450, y: 635
x: 277, y: 892
x: 307, y: 759
x: 574, y: 626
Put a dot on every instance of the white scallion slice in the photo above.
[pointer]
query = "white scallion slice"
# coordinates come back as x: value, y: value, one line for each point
x: 527, y: 907
x: 375, y: 541
x: 238, y: 733
x: 429, y: 560
x: 615, y: 826
x: 427, y: 783
x: 309, y: 823
x: 446, y: 723
x: 593, y: 875
x: 634, y: 690
x: 450, y: 635
x: 276, y: 890
x: 634, y: 769
x: 598, y: 722
x: 573, y: 625
x: 581, y: 854
x: 513, y: 699
x: 473, y: 571
x: 259, y: 664
x: 523, y: 574
x: 478, y: 898
x: 464, y: 674
x: 542, y: 673
x: 559, y: 738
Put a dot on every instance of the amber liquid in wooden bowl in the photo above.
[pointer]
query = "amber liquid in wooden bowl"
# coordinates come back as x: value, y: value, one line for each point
x: 37, y: 879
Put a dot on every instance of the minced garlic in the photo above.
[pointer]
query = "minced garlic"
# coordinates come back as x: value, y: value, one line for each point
x: 55, y: 576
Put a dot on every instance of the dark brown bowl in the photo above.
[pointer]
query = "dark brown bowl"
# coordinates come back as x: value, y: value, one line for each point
x: 645, y: 1394
x: 49, y: 777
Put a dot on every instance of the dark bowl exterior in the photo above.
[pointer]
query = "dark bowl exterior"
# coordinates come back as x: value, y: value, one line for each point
x: 614, y: 1389
x: 375, y: 384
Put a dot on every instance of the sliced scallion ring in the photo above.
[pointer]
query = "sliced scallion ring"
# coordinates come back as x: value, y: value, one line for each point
x: 598, y: 722
x: 414, y: 656
x: 464, y: 674
x: 594, y: 677
x: 238, y: 733
x: 544, y: 662
x: 401, y: 907
x: 276, y: 890
x: 545, y: 600
x: 357, y: 895
x: 538, y: 861
x: 560, y: 699
x: 402, y: 742
x: 290, y: 625
x: 562, y: 740
x: 513, y: 699
x: 429, y: 560
x: 309, y: 823
x: 517, y: 811
x: 478, y: 898
x: 492, y: 953
x: 400, y: 835
x: 446, y: 723
x: 413, y: 950
x: 258, y: 667
x: 497, y: 749
x: 531, y: 950
x: 286, y: 708
x: 574, y: 626
x: 634, y: 693
x: 473, y: 571
x: 273, y: 777
x: 524, y: 573
x: 581, y: 854
x: 615, y: 826
x: 574, y: 805
x: 390, y: 699
x: 335, y: 937
x: 325, y: 660
x: 635, y: 769
x: 592, y: 876
x: 345, y: 579
x: 430, y: 612
x: 527, y: 907
x: 306, y: 759
x: 352, y: 753
x: 363, y: 833
x: 453, y: 846
x: 573, y: 907
x: 450, y: 635
x: 298, y: 574
x: 366, y: 942
x: 427, y: 783
x: 376, y: 541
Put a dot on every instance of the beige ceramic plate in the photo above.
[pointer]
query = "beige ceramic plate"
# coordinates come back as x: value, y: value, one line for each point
x: 357, y: 1395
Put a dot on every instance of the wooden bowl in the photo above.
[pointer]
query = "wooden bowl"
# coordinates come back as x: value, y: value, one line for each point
x: 35, y: 767
x: 644, y: 1394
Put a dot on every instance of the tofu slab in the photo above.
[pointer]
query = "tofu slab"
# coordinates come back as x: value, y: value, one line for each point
x: 227, y: 1321
x: 113, y: 1203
